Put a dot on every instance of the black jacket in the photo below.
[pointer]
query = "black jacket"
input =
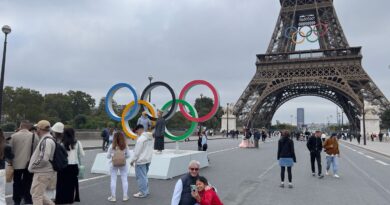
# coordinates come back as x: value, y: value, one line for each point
x: 314, y: 144
x: 286, y: 149
x: 8, y: 156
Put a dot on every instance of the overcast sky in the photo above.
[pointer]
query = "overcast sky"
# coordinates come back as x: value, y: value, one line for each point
x: 90, y: 45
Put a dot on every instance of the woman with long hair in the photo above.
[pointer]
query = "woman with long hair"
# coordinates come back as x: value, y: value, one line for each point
x: 5, y: 151
x: 204, y: 194
x: 286, y: 157
x: 118, y: 152
x: 67, y: 180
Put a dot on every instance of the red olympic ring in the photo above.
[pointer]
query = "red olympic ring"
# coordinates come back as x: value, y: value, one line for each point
x: 184, y: 92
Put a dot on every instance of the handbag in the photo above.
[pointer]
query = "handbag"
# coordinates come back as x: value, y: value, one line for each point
x: 81, y: 166
x: 9, y: 173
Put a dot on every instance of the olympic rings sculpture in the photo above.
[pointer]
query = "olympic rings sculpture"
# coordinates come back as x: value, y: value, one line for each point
x: 319, y: 30
x: 169, y: 109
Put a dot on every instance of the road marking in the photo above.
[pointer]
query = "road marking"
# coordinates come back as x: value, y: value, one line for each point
x: 369, y: 157
x: 353, y: 150
x: 361, y: 153
x: 367, y: 175
x: 383, y: 163
x: 224, y: 150
x: 80, y: 181
x: 266, y: 171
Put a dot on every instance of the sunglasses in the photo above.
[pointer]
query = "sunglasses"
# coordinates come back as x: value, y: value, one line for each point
x: 194, y: 169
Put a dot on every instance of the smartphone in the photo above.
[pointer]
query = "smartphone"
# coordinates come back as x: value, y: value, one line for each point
x: 194, y: 188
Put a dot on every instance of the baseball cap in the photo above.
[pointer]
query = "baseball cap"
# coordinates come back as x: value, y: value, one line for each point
x: 43, y: 125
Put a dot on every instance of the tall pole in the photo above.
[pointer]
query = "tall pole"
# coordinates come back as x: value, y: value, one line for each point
x: 227, y: 120
x: 364, y: 124
x: 201, y: 104
x: 6, y: 29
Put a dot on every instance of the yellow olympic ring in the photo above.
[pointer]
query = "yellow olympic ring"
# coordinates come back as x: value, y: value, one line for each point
x: 295, y: 36
x: 125, y: 125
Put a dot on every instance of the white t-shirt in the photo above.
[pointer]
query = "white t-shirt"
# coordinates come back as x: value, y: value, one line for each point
x: 73, y: 153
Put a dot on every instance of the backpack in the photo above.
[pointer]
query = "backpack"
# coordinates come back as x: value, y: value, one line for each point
x: 60, y: 157
x: 118, y: 159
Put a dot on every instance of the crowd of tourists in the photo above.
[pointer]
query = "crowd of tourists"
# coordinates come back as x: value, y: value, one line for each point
x: 315, y: 145
x: 44, y: 163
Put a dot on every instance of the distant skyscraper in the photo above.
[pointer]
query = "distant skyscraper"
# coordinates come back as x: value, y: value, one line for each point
x: 300, y: 118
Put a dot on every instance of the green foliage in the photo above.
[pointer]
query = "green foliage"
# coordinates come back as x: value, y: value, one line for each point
x: 79, y: 121
x: 385, y: 119
x: 58, y: 106
x: 8, y: 127
x: 80, y: 102
x: 203, y: 106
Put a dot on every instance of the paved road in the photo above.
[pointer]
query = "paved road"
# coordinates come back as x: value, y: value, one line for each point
x: 251, y: 177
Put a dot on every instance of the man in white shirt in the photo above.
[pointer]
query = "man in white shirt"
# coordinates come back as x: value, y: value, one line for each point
x: 143, y: 152
x: 182, y: 193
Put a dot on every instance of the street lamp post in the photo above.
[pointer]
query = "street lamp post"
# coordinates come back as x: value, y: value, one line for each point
x: 364, y: 118
x: 201, y: 104
x: 150, y: 77
x: 6, y: 30
x: 227, y: 120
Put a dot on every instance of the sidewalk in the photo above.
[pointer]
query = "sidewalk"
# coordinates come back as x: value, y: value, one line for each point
x: 97, y: 144
x: 382, y: 148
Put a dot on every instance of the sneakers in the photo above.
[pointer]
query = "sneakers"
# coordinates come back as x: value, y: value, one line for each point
x: 314, y: 174
x: 336, y: 176
x: 125, y: 198
x: 320, y: 176
x: 290, y: 185
x: 327, y: 173
x: 281, y: 185
x: 139, y: 195
x: 111, y: 199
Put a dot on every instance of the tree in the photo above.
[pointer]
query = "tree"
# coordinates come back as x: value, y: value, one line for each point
x: 385, y: 118
x: 58, y: 107
x: 81, y: 102
x: 22, y: 103
x: 203, y: 106
x: 79, y: 121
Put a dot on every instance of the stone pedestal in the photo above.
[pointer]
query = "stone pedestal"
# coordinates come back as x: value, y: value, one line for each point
x: 169, y: 164
x: 372, y: 124
x: 232, y: 122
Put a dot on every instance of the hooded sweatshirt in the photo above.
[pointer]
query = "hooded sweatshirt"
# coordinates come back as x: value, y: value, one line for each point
x: 143, y: 150
x: 43, y: 154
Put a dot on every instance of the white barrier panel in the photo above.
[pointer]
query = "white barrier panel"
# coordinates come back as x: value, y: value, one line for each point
x: 169, y: 164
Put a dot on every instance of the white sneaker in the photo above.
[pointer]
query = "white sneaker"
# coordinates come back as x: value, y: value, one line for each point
x: 327, y: 173
x: 125, y: 198
x: 336, y: 176
x: 111, y: 199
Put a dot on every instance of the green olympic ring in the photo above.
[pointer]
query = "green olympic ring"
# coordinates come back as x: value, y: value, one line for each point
x: 193, y: 126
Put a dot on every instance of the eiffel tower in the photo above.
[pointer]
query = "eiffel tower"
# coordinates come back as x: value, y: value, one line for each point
x: 334, y: 71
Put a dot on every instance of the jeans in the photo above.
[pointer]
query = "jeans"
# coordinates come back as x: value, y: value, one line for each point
x: 38, y: 188
x: 332, y: 160
x: 22, y: 185
x: 316, y: 156
x: 141, y: 174
x: 124, y: 171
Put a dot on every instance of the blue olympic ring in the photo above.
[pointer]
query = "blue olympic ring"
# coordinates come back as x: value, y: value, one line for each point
x: 109, y: 102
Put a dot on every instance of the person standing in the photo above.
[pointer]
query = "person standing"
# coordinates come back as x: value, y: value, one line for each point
x: 105, y: 137
x: 6, y: 154
x: 358, y: 137
x: 332, y: 151
x: 67, y: 188
x: 40, y: 164
x: 182, y: 193
x: 257, y: 136
x: 143, y: 152
x: 144, y: 121
x: 380, y: 136
x: 263, y: 135
x: 159, y: 133
x: 204, y: 141
x: 286, y: 157
x: 23, y: 144
x: 118, y: 152
x: 314, y: 144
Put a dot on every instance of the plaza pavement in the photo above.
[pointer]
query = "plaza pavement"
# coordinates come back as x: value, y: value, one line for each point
x: 374, y: 146
x: 251, y: 177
